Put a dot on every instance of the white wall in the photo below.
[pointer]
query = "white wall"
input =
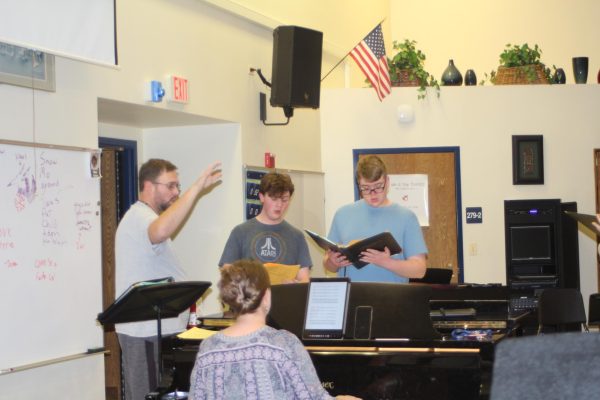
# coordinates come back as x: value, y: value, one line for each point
x: 189, y: 38
x: 67, y: 117
x: 199, y: 243
x: 214, y: 50
x: 480, y: 120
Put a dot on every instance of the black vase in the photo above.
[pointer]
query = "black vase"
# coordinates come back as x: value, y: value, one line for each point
x: 470, y: 78
x: 580, y: 69
x: 559, y: 76
x: 451, y: 75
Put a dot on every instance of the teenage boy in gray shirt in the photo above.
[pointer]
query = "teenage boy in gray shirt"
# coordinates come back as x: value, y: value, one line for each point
x: 268, y: 238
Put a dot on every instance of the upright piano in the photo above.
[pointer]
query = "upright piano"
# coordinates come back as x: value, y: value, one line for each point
x: 387, y: 365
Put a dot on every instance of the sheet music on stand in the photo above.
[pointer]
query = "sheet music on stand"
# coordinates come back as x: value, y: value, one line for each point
x: 167, y: 279
x: 148, y: 300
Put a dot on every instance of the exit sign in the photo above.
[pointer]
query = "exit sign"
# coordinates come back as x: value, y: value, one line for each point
x: 178, y: 91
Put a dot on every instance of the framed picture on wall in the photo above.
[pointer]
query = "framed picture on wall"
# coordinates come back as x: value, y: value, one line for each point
x: 25, y: 67
x: 528, y: 159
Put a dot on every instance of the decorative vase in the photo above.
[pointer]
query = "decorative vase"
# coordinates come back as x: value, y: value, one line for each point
x: 559, y: 76
x: 451, y: 75
x: 580, y: 69
x: 470, y: 78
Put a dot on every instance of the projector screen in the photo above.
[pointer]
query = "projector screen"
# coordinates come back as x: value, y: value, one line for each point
x: 82, y: 30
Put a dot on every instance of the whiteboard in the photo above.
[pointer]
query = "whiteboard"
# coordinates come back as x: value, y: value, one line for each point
x: 50, y: 254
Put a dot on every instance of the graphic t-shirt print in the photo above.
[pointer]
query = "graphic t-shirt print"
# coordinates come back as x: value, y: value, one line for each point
x: 268, y: 247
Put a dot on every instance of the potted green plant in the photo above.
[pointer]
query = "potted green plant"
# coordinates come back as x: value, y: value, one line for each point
x: 407, y: 68
x: 521, y: 65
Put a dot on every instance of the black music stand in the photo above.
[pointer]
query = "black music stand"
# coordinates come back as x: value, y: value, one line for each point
x: 143, y: 302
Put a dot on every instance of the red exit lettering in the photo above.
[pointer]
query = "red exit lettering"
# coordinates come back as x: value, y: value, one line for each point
x: 180, y: 89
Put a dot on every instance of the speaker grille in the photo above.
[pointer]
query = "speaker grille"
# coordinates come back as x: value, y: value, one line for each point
x: 296, y: 76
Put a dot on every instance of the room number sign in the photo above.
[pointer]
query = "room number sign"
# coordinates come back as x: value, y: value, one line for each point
x: 474, y: 215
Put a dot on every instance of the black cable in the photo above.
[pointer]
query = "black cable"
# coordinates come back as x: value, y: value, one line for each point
x: 261, y: 76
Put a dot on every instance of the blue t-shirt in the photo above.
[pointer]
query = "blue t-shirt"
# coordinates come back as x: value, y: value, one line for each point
x: 359, y: 220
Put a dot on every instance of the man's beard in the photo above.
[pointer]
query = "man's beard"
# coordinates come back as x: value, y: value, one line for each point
x: 163, y: 206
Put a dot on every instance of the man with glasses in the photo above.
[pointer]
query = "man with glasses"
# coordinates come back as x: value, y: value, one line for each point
x: 268, y: 238
x: 373, y: 214
x: 143, y: 252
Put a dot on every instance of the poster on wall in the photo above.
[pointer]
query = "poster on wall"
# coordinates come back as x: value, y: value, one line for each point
x: 411, y: 191
x: 252, y: 183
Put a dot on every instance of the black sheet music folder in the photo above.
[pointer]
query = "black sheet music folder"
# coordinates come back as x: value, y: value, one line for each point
x: 353, y: 251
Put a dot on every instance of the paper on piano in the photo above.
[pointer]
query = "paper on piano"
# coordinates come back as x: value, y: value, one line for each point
x: 453, y: 312
x: 281, y: 273
x: 196, y: 333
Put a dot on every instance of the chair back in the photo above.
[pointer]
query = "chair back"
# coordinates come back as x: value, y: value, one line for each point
x: 594, y: 309
x: 559, y: 366
x: 561, y: 307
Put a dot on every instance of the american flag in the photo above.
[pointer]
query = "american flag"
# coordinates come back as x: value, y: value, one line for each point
x: 369, y: 54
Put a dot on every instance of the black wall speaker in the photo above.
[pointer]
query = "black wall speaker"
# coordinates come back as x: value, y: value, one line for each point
x: 296, y: 72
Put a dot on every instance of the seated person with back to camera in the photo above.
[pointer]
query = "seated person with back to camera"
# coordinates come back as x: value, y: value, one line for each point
x: 373, y: 214
x: 268, y: 238
x: 250, y: 359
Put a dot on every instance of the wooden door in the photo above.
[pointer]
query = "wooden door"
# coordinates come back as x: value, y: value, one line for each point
x: 441, y: 165
x: 108, y: 194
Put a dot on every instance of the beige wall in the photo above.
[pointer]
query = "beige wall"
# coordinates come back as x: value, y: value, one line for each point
x: 474, y: 32
x: 343, y: 23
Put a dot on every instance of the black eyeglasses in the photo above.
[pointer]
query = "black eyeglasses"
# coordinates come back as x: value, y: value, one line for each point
x: 365, y: 190
x: 170, y: 185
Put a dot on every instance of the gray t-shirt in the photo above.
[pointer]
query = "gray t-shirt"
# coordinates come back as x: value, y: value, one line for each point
x: 281, y: 244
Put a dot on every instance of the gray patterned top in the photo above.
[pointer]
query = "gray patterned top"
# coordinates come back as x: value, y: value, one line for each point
x: 268, y: 364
